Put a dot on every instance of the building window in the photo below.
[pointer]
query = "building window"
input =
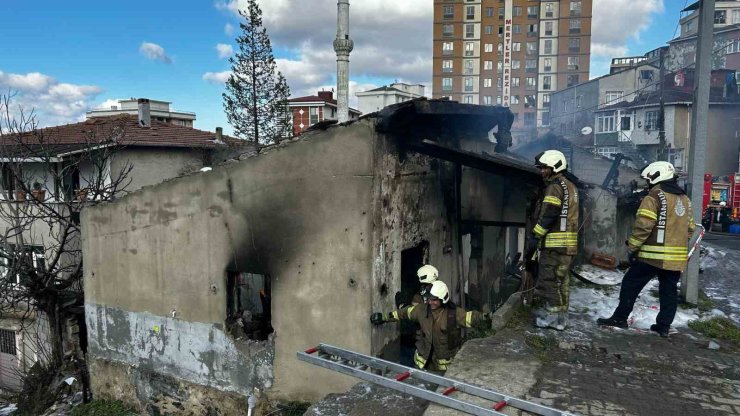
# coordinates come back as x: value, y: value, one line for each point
x: 487, y: 82
x: 501, y: 12
x: 447, y: 48
x: 500, y: 30
x: 545, y: 100
x: 487, y: 100
x: 548, y: 28
x: 469, y: 49
x: 448, y: 30
x: 605, y: 122
x: 572, y: 80
x: 470, y: 30
x: 675, y: 157
x: 607, y: 151
x: 516, y: 29
x: 248, y: 303
x: 532, y: 12
x: 548, y: 46
x: 498, y: 99
x: 547, y: 82
x: 7, y: 342
x: 651, y: 120
x: 575, y: 25
x: 446, y: 84
x: 579, y: 101
x: 531, y: 48
x: 613, y: 97
x: 488, y: 65
x: 733, y: 46
x: 514, y: 99
x: 515, y: 81
x: 573, y: 63
x: 470, y: 12
x: 499, y: 67
x: 549, y: 7
x: 548, y: 64
x: 448, y: 12
x: 499, y: 82
x: 574, y: 44
x: 625, y: 122
x: 468, y: 67
x: 516, y: 64
x: 500, y: 48
x: 516, y: 46
x: 313, y: 113
x: 489, y: 11
x: 720, y: 17
x: 447, y: 65
x: 736, y: 16
x: 489, y: 47
x: 531, y: 65
x: 531, y: 83
x: 530, y: 119
x: 468, y: 99
x: 468, y: 84
x: 488, y: 29
x: 517, y: 10
x: 575, y: 8
x: 31, y: 256
x: 531, y: 30
x: 545, y: 118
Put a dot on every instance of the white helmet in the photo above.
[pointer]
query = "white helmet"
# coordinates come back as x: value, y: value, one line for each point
x: 427, y: 273
x: 439, y: 291
x: 657, y: 172
x: 552, y: 159
x: 722, y: 203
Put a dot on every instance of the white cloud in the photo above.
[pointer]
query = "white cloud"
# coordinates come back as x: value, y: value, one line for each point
x: 374, y: 26
x: 224, y: 50
x: 229, y: 29
x: 615, y: 22
x: 216, y: 77
x: 53, y: 102
x: 154, y: 52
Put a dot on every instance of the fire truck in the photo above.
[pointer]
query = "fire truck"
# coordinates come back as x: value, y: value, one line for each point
x: 722, y: 189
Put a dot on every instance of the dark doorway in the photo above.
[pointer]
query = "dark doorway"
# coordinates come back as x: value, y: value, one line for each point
x: 248, y: 307
x: 411, y: 260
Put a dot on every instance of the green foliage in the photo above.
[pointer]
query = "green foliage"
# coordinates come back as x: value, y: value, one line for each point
x: 705, y: 303
x: 717, y: 327
x: 256, y: 97
x: 103, y: 408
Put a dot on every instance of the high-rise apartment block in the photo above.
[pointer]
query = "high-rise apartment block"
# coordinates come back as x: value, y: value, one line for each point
x: 511, y: 52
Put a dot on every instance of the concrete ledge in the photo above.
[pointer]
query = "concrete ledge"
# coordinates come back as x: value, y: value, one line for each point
x: 503, y: 314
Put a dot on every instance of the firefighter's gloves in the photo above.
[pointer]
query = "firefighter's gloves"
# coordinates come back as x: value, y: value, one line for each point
x: 377, y: 319
x: 632, y: 257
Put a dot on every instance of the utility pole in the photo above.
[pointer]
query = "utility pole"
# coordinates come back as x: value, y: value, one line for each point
x: 661, y: 116
x: 698, y: 147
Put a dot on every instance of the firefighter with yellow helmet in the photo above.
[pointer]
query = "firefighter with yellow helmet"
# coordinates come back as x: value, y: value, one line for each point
x: 440, y: 321
x: 658, y: 247
x: 556, y: 236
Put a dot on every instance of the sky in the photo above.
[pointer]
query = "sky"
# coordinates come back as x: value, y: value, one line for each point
x: 61, y: 58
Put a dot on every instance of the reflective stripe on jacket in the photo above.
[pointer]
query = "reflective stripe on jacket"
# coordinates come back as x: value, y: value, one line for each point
x: 432, y: 341
x: 557, y: 216
x: 663, y: 226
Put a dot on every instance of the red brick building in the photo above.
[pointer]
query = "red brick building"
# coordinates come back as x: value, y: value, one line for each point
x: 309, y: 110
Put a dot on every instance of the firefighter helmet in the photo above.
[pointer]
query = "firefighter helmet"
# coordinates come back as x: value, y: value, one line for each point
x: 658, y: 172
x: 427, y: 273
x: 439, y: 291
x: 552, y: 159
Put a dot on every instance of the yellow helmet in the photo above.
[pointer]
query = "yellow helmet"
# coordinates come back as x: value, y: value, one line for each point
x: 427, y: 273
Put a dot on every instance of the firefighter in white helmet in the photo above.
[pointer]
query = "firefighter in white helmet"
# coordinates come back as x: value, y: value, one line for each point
x: 440, y: 321
x: 658, y: 246
x: 556, y: 236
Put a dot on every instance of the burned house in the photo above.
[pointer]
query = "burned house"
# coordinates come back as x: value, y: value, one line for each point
x: 201, y: 289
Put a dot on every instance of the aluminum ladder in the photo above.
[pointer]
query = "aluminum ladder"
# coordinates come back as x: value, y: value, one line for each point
x: 391, y: 375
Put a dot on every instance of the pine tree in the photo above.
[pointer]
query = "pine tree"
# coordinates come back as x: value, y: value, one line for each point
x: 256, y: 97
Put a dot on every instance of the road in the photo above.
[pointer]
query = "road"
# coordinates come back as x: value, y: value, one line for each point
x: 728, y: 241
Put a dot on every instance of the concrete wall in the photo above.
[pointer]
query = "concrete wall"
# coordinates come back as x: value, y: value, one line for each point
x: 293, y: 213
x: 153, y: 165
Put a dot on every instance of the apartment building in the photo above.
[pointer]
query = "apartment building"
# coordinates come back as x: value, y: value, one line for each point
x: 513, y: 53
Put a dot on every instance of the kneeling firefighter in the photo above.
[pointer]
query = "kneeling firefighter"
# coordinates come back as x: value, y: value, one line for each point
x: 440, y: 321
x: 556, y: 235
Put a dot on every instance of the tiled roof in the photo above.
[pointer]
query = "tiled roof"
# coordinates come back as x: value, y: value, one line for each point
x: 121, y: 130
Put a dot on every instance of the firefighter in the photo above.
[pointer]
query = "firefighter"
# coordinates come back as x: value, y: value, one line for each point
x: 556, y: 236
x: 440, y: 321
x: 658, y: 246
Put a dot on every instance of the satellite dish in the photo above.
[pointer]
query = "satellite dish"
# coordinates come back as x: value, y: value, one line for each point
x: 586, y: 130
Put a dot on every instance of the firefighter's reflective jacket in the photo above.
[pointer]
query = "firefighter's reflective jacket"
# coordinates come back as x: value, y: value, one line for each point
x: 663, y: 228
x: 435, y: 342
x: 557, y: 213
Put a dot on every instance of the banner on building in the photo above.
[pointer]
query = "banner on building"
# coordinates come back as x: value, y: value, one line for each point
x: 506, y: 82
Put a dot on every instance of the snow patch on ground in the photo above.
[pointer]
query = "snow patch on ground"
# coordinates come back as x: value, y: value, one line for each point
x: 7, y: 410
x: 711, y: 257
x: 599, y: 276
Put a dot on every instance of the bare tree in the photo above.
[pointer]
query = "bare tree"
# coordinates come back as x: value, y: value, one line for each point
x: 48, y: 177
